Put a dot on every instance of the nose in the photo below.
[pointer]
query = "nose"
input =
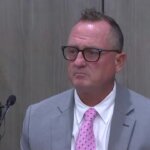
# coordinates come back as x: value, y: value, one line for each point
x: 80, y: 61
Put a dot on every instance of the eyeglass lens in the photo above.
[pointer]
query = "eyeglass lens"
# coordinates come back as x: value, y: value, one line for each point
x: 89, y: 54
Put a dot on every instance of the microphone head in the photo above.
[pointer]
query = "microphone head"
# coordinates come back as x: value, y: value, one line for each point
x: 11, y: 100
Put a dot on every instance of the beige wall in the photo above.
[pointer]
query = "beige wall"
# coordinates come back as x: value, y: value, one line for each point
x: 133, y: 17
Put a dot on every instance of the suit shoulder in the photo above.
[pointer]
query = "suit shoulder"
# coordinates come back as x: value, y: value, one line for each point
x: 139, y: 101
x: 50, y: 104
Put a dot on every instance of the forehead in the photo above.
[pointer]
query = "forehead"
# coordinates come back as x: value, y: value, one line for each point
x: 89, y: 31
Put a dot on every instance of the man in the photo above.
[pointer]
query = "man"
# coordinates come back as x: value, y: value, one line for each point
x: 119, y: 117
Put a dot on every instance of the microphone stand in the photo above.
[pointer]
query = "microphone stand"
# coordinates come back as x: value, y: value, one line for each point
x: 1, y: 108
x: 1, y: 120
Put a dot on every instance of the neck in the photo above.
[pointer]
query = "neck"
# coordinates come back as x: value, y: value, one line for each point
x: 93, y: 97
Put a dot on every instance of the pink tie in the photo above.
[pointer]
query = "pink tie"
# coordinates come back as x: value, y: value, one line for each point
x: 85, y: 139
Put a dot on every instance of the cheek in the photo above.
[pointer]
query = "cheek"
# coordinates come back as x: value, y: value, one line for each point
x: 95, y: 71
x: 110, y: 70
x: 70, y: 68
x: 105, y: 69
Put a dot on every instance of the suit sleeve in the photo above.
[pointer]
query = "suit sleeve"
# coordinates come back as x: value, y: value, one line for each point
x: 24, y: 142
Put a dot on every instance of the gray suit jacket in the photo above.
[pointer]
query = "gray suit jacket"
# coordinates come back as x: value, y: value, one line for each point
x: 48, y: 124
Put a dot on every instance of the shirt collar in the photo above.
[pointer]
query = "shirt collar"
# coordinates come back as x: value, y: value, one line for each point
x: 104, y: 108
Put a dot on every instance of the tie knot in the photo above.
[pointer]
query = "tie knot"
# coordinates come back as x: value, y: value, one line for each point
x: 90, y: 114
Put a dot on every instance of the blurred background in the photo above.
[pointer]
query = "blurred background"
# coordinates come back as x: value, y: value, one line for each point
x: 31, y: 62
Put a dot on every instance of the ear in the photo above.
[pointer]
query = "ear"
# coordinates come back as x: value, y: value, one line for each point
x: 120, y: 61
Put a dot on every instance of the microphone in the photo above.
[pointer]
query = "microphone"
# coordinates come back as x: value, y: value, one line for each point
x: 11, y: 100
x: 3, y: 109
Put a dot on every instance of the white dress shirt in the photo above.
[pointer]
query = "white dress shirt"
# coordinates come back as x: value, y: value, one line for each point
x: 102, y: 122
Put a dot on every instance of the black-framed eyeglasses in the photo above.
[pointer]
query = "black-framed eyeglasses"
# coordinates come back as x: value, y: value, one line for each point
x: 90, y: 54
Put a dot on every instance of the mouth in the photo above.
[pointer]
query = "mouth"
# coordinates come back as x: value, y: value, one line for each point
x: 79, y: 74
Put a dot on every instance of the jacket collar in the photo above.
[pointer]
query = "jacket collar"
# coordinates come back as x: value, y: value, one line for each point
x: 63, y: 123
x: 123, y: 120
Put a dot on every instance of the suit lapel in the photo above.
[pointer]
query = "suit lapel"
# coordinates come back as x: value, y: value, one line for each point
x: 123, y: 121
x: 62, y: 125
x: 122, y: 126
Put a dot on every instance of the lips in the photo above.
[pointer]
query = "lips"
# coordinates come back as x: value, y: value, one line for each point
x: 79, y: 74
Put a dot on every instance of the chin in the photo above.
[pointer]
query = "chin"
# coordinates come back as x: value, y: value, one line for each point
x: 80, y: 81
x: 80, y: 84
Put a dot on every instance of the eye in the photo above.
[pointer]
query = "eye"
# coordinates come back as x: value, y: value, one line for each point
x: 91, y: 52
x: 71, y: 50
